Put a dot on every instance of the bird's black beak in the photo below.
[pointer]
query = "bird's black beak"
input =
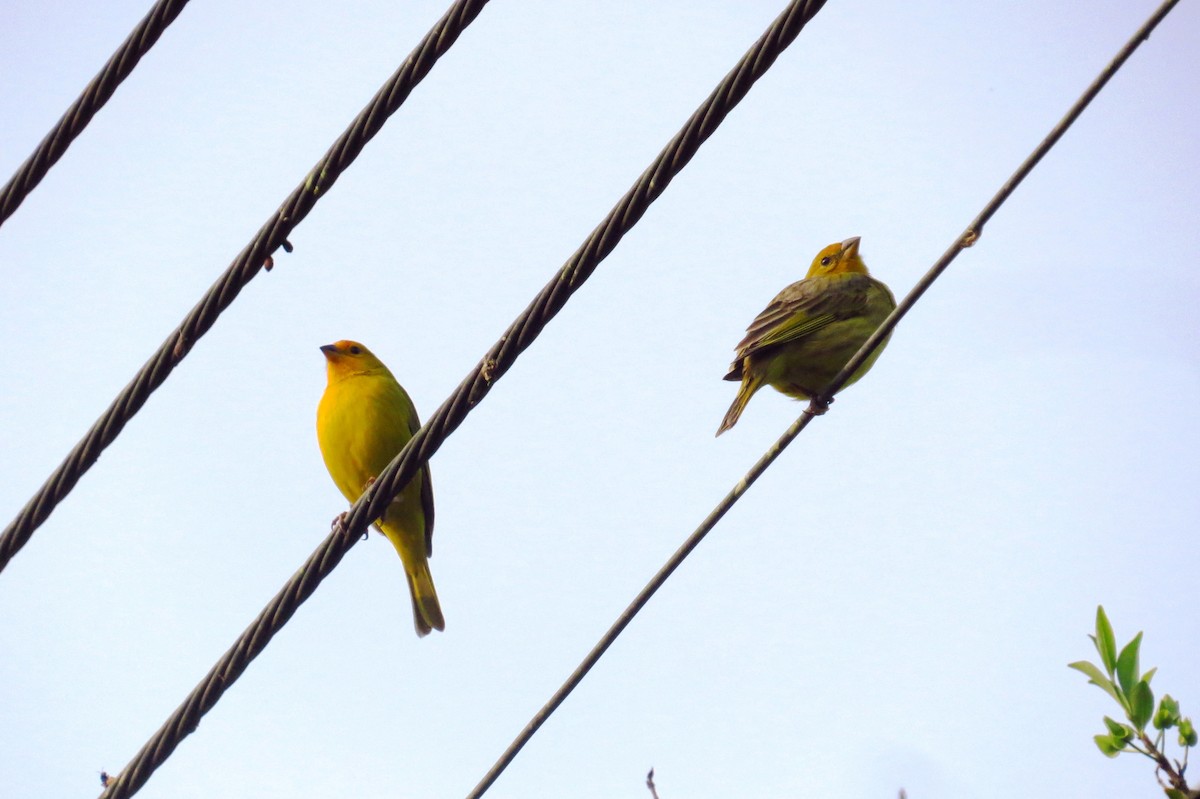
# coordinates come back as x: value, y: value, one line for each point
x: 330, y: 350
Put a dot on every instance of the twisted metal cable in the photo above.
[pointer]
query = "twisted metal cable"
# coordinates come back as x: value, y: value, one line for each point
x: 818, y: 405
x: 451, y: 413
x: 272, y: 235
x: 80, y: 113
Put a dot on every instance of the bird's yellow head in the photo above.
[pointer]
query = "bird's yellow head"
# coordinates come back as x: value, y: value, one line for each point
x: 345, y: 358
x: 838, y: 259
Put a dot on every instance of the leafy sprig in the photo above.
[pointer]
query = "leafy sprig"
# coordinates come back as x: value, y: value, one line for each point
x: 1119, y: 675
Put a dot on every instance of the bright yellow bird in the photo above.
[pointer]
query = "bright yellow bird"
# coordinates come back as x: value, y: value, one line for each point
x: 812, y: 328
x: 365, y: 418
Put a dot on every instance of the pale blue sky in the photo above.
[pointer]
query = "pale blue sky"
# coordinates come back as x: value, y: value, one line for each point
x: 893, y: 604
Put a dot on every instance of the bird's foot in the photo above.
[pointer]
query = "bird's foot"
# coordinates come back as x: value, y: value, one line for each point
x: 818, y: 407
x: 338, y: 521
x: 370, y: 482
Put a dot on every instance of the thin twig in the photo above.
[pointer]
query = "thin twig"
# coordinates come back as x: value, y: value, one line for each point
x: 650, y: 784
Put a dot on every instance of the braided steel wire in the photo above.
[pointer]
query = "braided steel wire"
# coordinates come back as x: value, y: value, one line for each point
x: 80, y: 113
x: 451, y: 413
x: 819, y: 404
x: 272, y: 235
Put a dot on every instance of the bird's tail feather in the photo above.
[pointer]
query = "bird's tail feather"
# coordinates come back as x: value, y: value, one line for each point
x: 427, y: 612
x: 750, y: 384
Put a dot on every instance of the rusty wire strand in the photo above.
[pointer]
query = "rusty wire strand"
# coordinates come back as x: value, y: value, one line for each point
x: 818, y: 405
x: 80, y: 112
x: 243, y: 269
x: 451, y: 413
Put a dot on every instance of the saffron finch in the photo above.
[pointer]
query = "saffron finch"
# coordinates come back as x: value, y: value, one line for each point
x: 812, y: 328
x: 364, y: 419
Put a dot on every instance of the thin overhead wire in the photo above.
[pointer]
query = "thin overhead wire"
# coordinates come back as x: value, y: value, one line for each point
x: 244, y: 268
x: 94, y: 96
x: 818, y: 405
x: 451, y: 413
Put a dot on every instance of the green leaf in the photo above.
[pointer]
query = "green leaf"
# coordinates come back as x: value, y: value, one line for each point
x: 1096, y: 677
x: 1141, y: 705
x: 1106, y: 642
x: 1167, y: 715
x: 1148, y: 676
x: 1175, y: 793
x: 1108, y: 746
x: 1127, y: 665
x: 1121, y: 733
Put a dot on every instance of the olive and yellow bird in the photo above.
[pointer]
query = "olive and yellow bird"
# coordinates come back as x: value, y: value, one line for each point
x: 812, y: 328
x: 364, y: 419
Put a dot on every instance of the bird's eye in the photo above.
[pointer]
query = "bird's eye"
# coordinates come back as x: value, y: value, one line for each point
x: 826, y: 261
x: 355, y: 351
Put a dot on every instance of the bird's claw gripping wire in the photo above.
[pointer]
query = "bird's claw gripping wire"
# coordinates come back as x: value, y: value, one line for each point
x: 818, y: 406
x: 339, y: 522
